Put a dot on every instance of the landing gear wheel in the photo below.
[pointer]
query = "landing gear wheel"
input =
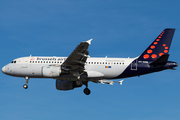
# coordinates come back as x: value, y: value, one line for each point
x: 25, y: 86
x: 87, y: 91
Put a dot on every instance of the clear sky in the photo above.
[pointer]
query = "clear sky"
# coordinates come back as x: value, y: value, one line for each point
x: 119, y: 28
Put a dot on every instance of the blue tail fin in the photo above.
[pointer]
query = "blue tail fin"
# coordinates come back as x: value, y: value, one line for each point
x: 160, y: 46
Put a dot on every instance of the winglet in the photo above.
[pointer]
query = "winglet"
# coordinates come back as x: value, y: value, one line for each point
x: 120, y: 82
x: 89, y: 41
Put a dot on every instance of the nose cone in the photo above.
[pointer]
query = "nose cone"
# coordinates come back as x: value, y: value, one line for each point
x: 3, y: 69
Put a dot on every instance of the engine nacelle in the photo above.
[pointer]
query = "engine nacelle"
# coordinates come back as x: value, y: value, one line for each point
x: 51, y: 71
x: 66, y: 85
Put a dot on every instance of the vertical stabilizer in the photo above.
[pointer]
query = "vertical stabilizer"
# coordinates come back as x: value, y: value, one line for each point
x: 160, y: 46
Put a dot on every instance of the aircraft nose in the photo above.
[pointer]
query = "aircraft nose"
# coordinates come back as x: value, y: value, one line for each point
x: 3, y: 69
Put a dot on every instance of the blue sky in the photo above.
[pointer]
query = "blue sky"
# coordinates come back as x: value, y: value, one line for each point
x: 118, y: 28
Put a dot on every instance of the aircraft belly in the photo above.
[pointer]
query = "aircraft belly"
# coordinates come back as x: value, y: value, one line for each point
x: 35, y: 70
x: 23, y: 70
x: 110, y: 71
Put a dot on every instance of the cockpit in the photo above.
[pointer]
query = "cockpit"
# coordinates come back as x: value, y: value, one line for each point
x: 14, y: 61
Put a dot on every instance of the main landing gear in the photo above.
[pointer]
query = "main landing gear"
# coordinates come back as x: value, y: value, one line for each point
x: 79, y: 83
x: 86, y: 90
x: 25, y: 86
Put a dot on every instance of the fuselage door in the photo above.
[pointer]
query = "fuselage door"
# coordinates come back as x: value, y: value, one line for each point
x: 23, y: 62
x: 134, y: 65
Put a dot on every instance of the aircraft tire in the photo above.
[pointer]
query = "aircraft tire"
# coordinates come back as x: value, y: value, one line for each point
x: 87, y: 91
x: 25, y: 86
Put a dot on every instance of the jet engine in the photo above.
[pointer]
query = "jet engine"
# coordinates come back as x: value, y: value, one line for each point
x: 66, y: 85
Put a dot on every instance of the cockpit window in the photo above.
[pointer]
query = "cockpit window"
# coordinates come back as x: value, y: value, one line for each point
x: 13, y: 62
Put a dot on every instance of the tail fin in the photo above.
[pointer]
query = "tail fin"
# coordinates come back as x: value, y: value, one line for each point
x: 160, y: 46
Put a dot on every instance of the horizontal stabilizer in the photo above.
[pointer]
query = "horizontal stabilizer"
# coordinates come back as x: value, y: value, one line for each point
x: 162, y: 60
x: 172, y: 68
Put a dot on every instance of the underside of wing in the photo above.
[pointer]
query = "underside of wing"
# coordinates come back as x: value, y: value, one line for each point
x: 78, y: 57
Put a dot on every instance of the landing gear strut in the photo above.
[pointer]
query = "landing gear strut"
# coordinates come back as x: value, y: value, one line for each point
x: 86, y: 90
x: 25, y: 86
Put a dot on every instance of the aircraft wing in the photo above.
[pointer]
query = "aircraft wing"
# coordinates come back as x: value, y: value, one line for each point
x: 110, y: 82
x: 77, y: 59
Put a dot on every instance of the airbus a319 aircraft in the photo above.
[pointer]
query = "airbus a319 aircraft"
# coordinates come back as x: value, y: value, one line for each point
x: 79, y: 68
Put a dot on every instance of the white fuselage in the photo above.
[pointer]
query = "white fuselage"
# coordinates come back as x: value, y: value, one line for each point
x: 32, y: 66
x: 78, y: 68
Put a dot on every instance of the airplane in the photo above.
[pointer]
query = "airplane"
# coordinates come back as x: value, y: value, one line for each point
x: 79, y: 68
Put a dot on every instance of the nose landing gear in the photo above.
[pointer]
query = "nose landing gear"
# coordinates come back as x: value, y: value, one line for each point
x: 25, y: 86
